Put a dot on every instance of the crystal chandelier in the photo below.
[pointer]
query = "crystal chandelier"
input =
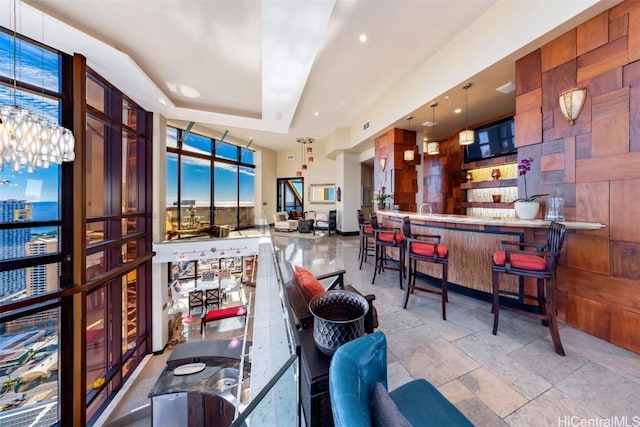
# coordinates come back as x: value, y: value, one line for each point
x: 29, y: 140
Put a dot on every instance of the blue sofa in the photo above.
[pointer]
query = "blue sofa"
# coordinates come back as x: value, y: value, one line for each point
x: 355, y: 369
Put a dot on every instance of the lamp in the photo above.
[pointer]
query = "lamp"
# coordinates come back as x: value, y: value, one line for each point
x: 28, y: 139
x: 432, y: 147
x: 467, y: 137
x: 571, y: 103
x: 383, y: 163
x: 409, y: 155
x: 301, y: 151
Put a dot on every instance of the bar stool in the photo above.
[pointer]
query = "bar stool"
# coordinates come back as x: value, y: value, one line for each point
x: 425, y: 247
x: 366, y: 233
x: 541, y: 264
x: 387, y: 238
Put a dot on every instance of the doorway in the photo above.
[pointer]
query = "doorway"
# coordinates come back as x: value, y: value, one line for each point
x: 290, y: 194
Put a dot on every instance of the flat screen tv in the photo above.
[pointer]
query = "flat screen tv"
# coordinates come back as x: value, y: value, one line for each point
x: 492, y: 140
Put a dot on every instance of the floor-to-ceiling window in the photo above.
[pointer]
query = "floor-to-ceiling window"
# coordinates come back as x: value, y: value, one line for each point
x: 34, y: 242
x: 209, y: 182
x: 118, y: 228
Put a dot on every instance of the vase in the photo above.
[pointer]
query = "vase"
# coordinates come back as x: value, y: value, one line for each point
x: 380, y: 205
x: 526, y: 210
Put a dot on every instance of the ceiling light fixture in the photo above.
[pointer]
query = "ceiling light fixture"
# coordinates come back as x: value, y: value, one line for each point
x: 301, y: 153
x: 571, y: 103
x: 409, y: 155
x: 363, y: 37
x: 467, y: 137
x: 432, y: 147
x: 28, y: 139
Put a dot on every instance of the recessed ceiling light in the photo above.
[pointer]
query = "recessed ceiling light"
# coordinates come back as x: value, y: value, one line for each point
x: 316, y: 114
x: 458, y: 110
x: 507, y: 87
x: 363, y: 37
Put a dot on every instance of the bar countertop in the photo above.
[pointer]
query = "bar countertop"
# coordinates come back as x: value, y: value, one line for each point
x: 490, y: 221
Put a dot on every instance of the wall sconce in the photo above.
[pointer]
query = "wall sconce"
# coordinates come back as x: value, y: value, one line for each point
x: 409, y: 155
x: 467, y: 137
x: 571, y: 103
x: 383, y: 163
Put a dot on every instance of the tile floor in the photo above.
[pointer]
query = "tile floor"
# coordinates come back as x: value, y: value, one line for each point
x: 514, y: 378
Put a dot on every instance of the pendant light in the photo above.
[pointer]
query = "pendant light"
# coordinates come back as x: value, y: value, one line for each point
x: 409, y: 155
x: 29, y: 140
x: 432, y: 147
x: 467, y: 137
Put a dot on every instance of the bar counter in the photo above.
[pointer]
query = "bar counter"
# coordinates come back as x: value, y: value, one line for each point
x: 473, y: 240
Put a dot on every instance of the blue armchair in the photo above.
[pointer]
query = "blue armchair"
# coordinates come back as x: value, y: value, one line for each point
x: 355, y: 369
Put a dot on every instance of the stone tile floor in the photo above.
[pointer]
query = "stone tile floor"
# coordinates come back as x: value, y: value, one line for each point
x: 514, y: 378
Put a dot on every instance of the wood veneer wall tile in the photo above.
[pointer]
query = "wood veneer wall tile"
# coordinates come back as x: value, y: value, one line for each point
x: 602, y: 59
x: 624, y: 208
x: 552, y: 162
x: 618, y: 27
x: 610, y: 127
x: 620, y: 166
x: 558, y: 51
x: 624, y: 260
x: 528, y: 70
x: 605, y: 82
x: 528, y: 128
x: 631, y: 73
x: 583, y: 146
x: 570, y: 159
x: 592, y: 34
x: 613, y: 291
x: 588, y: 252
x: 529, y: 101
x: 592, y: 203
x: 634, y: 34
x: 588, y: 315
x: 624, y: 329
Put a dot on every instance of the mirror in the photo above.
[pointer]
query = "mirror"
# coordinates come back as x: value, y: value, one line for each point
x: 322, y: 193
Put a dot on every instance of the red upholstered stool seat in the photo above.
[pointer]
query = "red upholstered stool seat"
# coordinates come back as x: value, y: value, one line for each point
x: 222, y: 313
x: 521, y: 261
x: 426, y: 249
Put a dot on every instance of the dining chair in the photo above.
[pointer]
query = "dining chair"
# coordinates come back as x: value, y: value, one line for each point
x: 196, y: 299
x: 213, y: 297
x: 387, y: 238
x: 540, y: 262
x: 425, y: 248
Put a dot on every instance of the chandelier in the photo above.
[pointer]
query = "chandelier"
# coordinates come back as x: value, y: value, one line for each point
x: 301, y: 153
x: 27, y: 139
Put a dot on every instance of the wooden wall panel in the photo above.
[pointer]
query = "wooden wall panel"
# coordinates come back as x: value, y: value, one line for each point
x: 570, y: 159
x: 610, y: 123
x: 624, y: 327
x: 625, y: 206
x: 621, y: 166
x: 588, y: 252
x: 625, y: 259
x: 588, y: 315
x: 529, y: 101
x: 552, y: 162
x: 634, y: 35
x: 592, y: 34
x: 618, y: 27
x: 583, y: 146
x: 631, y: 75
x: 528, y: 73
x: 558, y: 51
x: 528, y: 128
x: 592, y: 203
x: 602, y: 59
x: 605, y: 82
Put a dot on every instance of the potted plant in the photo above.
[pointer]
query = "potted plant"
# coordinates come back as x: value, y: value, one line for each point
x: 527, y: 207
x: 381, y: 197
